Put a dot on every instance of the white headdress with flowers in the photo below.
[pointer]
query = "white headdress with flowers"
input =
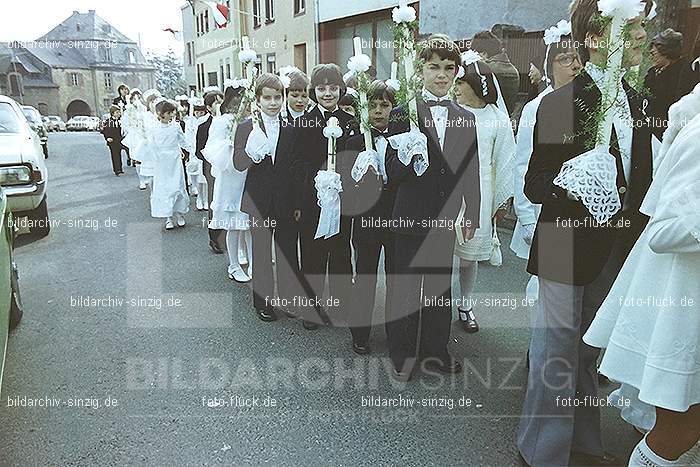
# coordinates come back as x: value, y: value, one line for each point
x: 553, y: 35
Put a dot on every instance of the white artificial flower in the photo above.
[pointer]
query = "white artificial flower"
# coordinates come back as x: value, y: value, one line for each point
x: 287, y: 70
x: 564, y: 27
x: 394, y: 84
x: 405, y: 14
x: 244, y: 83
x: 333, y: 132
x: 232, y: 83
x: 247, y: 55
x: 461, y: 72
x: 469, y: 57
x: 359, y: 63
x: 623, y: 9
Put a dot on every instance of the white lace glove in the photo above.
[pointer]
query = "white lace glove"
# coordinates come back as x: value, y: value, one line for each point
x: 364, y: 161
x: 410, y: 144
x: 529, y: 233
x: 592, y: 178
x: 258, y: 146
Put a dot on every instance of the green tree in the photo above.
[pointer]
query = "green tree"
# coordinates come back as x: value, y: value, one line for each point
x: 169, y: 74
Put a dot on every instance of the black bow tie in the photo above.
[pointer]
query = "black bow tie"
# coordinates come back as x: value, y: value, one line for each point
x: 444, y: 103
x: 376, y: 133
x: 327, y: 115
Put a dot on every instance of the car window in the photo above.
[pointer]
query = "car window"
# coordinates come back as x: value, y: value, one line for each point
x: 9, y: 121
x: 31, y: 116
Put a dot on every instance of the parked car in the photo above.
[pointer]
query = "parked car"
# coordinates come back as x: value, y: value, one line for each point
x: 48, y: 124
x: 34, y: 118
x: 55, y: 123
x: 23, y: 173
x: 10, y: 300
x: 83, y: 123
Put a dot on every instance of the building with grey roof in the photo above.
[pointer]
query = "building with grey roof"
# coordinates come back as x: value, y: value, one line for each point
x: 75, y: 68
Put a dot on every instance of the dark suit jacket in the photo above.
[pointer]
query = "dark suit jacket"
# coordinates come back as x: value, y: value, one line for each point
x: 202, y: 137
x: 568, y: 253
x: 112, y: 129
x: 369, y: 199
x: 270, y: 190
x: 310, y: 154
x: 120, y: 100
x: 436, y: 196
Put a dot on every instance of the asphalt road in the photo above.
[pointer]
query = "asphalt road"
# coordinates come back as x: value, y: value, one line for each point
x: 155, y: 379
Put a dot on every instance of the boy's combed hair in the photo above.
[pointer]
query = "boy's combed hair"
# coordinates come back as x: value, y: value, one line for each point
x: 585, y: 19
x: 440, y: 45
x: 379, y: 90
x: 326, y: 73
x: 113, y: 109
x: 165, y: 106
x: 298, y: 82
x: 268, y: 80
x: 210, y: 97
x: 486, y: 43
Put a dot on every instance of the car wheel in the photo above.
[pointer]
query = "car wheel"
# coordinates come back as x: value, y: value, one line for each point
x: 16, y: 309
x: 41, y: 213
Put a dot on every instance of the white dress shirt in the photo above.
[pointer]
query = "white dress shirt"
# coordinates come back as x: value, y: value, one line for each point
x: 294, y: 113
x: 439, y: 114
x: 272, y: 130
x: 381, y: 144
x: 622, y: 117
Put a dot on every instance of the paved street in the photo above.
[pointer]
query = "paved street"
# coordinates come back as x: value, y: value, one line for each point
x: 157, y: 371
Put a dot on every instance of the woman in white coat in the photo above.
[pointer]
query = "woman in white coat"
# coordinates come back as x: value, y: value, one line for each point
x: 649, y: 323
x: 476, y: 91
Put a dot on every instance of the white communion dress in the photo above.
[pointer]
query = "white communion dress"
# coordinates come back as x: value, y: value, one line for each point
x: 169, y: 195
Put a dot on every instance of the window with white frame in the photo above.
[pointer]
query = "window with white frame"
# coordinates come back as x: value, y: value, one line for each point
x: 269, y: 11
x: 108, y: 81
x: 299, y: 7
x: 257, y: 21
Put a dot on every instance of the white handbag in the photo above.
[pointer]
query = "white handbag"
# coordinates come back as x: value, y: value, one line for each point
x: 496, y: 258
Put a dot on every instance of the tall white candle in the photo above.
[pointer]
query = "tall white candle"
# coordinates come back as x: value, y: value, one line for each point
x: 332, y: 123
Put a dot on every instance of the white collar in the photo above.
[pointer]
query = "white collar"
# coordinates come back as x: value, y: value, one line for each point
x: 597, y: 74
x: 294, y: 113
x: 269, y: 120
x: 429, y: 96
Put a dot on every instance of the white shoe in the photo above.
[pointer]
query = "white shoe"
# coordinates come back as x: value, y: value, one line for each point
x: 142, y: 186
x: 193, y: 191
x: 180, y: 220
x: 199, y: 204
x: 239, y: 276
x: 242, y: 259
x: 169, y: 225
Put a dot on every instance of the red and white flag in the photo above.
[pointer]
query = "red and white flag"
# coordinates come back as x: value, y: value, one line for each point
x: 220, y: 13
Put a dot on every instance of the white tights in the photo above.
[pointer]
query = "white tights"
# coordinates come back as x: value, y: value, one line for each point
x: 234, y: 241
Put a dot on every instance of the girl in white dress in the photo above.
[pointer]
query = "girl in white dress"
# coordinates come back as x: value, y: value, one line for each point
x: 476, y: 92
x: 134, y: 130
x: 149, y: 121
x: 169, y: 198
x: 649, y: 323
x: 195, y: 174
x: 228, y: 186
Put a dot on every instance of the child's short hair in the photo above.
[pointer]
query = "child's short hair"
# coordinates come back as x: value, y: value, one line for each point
x: 164, y: 107
x: 122, y: 86
x: 486, y: 43
x: 442, y: 46
x: 347, y: 99
x: 268, y: 80
x: 326, y: 73
x: 586, y: 18
x: 113, y: 109
x: 298, y: 81
x: 379, y: 90
x: 210, y: 97
x: 481, y: 81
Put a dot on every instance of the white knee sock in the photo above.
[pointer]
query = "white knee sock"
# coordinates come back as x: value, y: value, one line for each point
x: 203, y: 194
x: 643, y: 456
x: 232, y: 247
x: 248, y: 238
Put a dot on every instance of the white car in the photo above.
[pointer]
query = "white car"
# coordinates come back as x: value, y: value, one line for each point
x: 23, y: 172
x: 83, y: 123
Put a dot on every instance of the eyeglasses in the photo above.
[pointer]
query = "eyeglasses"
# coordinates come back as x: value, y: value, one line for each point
x: 567, y: 60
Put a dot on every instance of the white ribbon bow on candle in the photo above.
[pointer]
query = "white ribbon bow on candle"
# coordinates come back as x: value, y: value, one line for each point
x: 328, y: 189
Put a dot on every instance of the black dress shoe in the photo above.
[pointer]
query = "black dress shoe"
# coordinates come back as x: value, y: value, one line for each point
x: 215, y: 248
x: 468, y: 321
x: 309, y: 325
x: 579, y: 458
x: 290, y: 314
x: 360, y: 348
x: 450, y: 367
x: 267, y: 315
x: 401, y: 376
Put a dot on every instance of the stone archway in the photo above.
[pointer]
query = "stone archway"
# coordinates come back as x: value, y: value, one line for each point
x: 78, y: 107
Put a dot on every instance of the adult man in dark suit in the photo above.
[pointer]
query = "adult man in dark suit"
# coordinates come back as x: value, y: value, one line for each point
x: 424, y: 215
x: 310, y: 156
x: 576, y: 259
x: 123, y: 98
x: 269, y: 198
x: 211, y: 100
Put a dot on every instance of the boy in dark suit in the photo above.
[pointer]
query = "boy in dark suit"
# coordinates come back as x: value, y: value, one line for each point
x: 310, y: 156
x: 269, y: 199
x: 370, y: 201
x: 576, y: 259
x: 112, y: 131
x: 424, y: 216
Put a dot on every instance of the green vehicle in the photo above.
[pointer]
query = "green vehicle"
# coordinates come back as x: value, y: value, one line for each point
x: 10, y: 301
